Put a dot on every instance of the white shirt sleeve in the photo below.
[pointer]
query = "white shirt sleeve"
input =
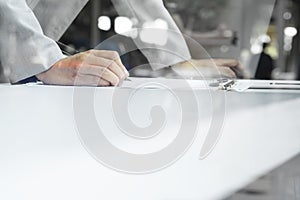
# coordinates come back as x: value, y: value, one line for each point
x: 55, y: 16
x: 24, y: 49
x: 158, y: 37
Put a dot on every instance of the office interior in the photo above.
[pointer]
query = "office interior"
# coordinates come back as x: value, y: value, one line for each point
x: 262, y: 34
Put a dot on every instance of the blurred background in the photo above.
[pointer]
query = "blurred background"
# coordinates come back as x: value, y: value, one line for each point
x: 262, y: 34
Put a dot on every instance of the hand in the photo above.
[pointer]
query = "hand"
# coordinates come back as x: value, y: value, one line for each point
x: 213, y: 68
x: 91, y: 68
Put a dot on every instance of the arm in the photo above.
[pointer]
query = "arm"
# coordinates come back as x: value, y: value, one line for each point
x: 24, y: 49
x: 173, y: 50
x: 55, y: 16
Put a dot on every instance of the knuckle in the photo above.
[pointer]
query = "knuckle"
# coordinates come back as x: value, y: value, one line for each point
x: 231, y: 73
x: 114, y: 55
x: 103, y: 72
x: 112, y: 64
x: 89, y: 52
x: 83, y: 56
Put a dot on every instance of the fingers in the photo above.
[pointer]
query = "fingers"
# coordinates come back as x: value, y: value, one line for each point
x: 226, y: 62
x: 209, y: 68
x: 227, y: 72
x: 90, y: 80
x: 217, y: 62
x: 91, y: 68
x: 101, y: 72
x: 111, y: 55
x: 233, y: 65
x: 105, y: 64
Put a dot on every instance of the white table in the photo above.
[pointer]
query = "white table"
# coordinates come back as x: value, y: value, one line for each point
x: 41, y: 156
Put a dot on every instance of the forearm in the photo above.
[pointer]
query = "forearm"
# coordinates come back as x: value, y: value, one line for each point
x: 162, y: 47
x: 24, y: 50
